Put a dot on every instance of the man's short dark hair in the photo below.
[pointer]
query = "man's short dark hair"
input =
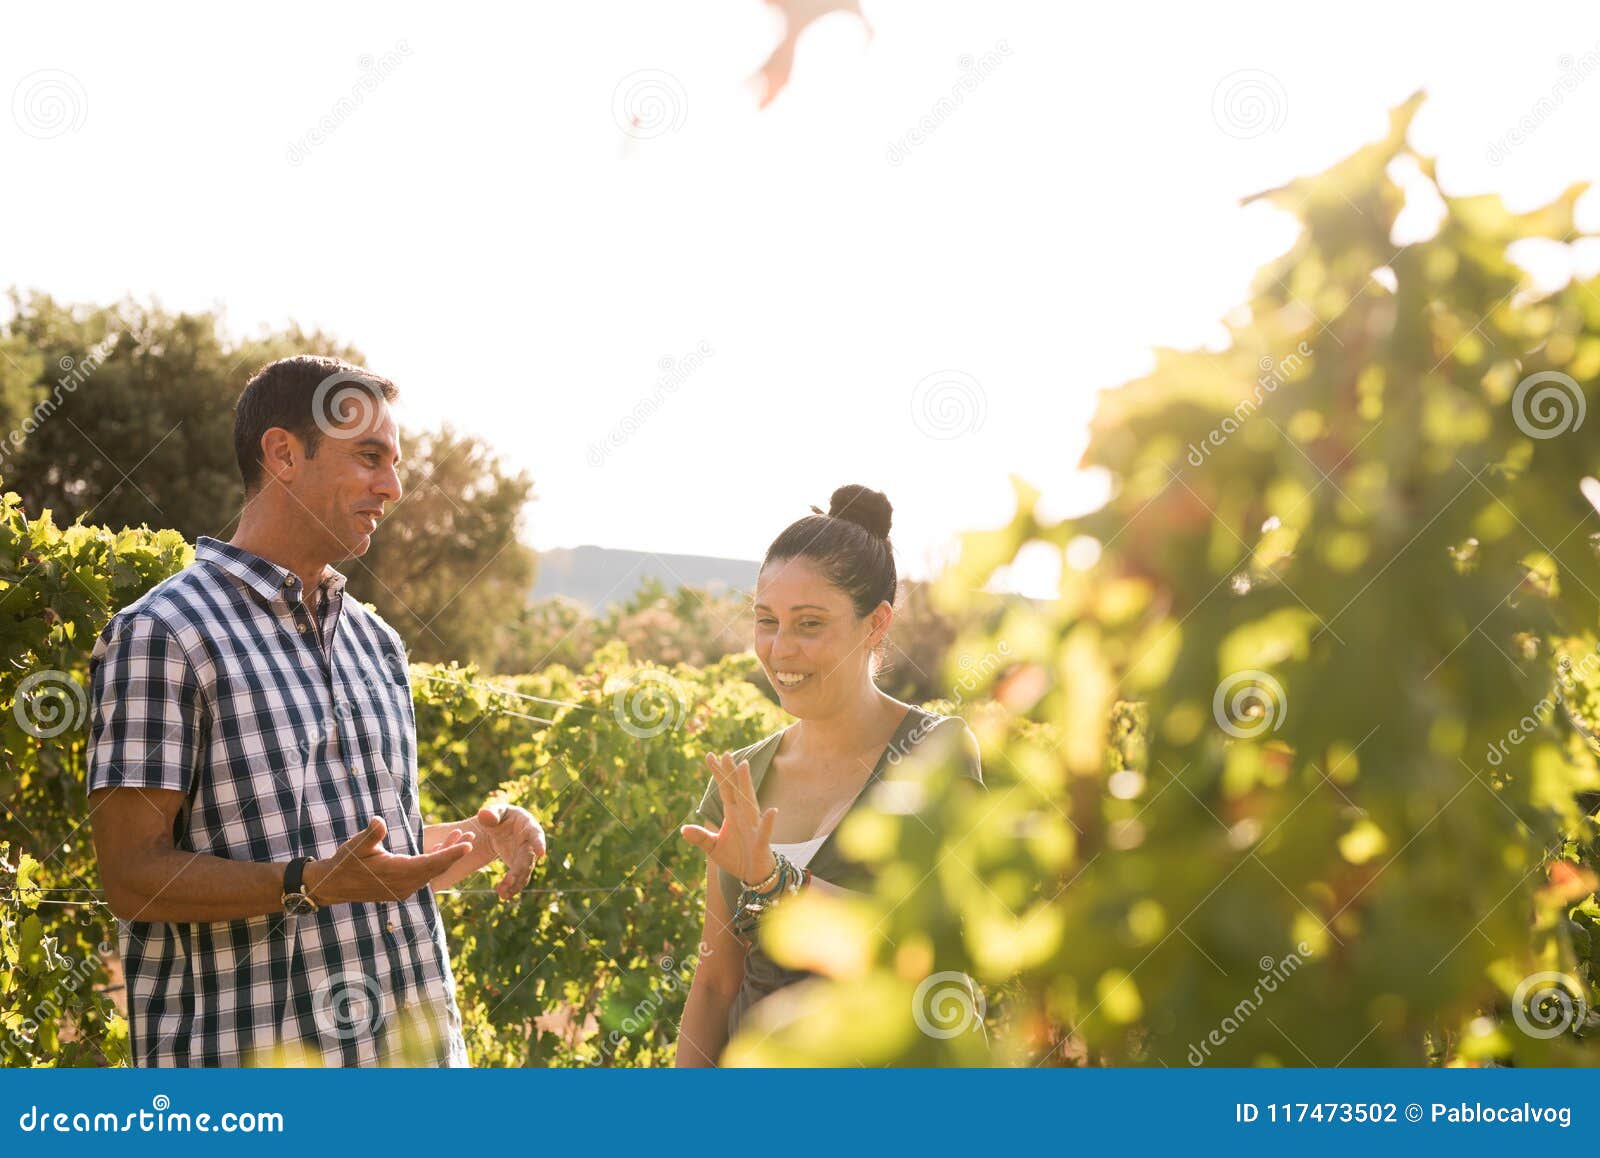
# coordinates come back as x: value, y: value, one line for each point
x: 285, y: 393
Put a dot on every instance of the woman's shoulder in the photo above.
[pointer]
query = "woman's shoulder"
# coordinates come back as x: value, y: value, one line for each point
x: 945, y: 736
x: 770, y: 740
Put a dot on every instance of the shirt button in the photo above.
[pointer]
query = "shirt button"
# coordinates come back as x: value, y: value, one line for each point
x: 392, y: 927
x: 304, y: 628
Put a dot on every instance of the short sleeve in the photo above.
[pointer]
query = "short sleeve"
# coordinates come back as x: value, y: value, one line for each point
x: 952, y: 738
x: 711, y: 804
x: 145, y: 708
x: 972, y: 754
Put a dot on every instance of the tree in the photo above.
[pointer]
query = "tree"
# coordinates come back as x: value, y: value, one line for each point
x: 129, y: 422
x: 140, y: 430
x: 447, y: 568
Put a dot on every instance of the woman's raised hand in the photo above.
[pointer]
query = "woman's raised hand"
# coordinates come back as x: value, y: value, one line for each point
x: 743, y: 845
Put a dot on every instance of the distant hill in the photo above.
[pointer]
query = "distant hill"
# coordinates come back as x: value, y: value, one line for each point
x: 599, y: 576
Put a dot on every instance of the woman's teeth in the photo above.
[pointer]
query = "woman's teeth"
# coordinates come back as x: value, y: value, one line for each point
x: 790, y: 679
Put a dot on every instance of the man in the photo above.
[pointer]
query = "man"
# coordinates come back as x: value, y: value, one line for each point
x: 253, y: 769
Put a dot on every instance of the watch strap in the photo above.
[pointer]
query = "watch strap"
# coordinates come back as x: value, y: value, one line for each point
x: 294, y: 876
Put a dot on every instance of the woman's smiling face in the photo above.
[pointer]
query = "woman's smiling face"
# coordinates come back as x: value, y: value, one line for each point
x: 813, y: 646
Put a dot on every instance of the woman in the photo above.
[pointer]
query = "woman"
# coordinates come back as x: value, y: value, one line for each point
x: 823, y: 604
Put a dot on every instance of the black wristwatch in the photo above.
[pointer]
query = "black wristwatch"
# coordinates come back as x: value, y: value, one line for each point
x: 297, y: 901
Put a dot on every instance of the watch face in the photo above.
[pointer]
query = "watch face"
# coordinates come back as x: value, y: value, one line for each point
x: 298, y: 904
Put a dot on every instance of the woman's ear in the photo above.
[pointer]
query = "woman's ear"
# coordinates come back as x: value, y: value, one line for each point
x: 880, y: 619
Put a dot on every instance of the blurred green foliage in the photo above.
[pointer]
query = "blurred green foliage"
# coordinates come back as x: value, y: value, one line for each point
x: 1342, y: 563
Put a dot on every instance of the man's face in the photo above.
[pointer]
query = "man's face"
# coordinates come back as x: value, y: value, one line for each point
x: 344, y: 488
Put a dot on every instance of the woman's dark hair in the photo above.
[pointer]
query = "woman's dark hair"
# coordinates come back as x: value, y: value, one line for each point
x: 849, y: 545
x: 285, y: 393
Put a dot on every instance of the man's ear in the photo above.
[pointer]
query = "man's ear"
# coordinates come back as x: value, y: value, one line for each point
x: 281, y: 454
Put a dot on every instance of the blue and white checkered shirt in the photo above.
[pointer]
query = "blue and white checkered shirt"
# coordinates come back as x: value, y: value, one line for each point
x: 215, y: 684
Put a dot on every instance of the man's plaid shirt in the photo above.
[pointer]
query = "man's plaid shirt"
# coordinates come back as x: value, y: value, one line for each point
x: 217, y: 684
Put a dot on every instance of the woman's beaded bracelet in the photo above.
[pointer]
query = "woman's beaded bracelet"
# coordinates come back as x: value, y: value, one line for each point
x: 769, y: 885
x: 753, y: 905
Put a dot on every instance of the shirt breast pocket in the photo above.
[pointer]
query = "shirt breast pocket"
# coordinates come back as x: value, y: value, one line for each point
x: 391, y: 797
x: 383, y: 717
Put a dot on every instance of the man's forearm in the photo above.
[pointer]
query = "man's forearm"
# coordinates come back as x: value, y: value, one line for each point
x: 169, y: 885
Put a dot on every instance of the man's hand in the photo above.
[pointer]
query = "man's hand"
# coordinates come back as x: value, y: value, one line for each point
x: 516, y: 840
x: 363, y: 870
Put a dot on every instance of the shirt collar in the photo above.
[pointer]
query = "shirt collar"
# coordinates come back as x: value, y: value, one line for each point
x: 265, y: 578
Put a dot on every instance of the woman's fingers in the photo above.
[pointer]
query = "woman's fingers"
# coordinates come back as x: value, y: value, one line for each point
x: 720, y: 774
x: 702, y: 838
x: 742, y: 791
x: 764, y: 833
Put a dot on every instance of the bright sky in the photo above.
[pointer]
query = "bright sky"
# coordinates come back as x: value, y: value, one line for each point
x: 482, y: 226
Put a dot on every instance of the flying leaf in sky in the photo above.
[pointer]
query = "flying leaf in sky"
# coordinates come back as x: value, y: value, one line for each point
x: 798, y: 15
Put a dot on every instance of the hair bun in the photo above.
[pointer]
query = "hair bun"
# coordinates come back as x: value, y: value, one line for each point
x: 867, y: 508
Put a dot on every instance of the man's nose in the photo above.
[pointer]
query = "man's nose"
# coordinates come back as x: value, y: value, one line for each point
x: 388, y: 486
